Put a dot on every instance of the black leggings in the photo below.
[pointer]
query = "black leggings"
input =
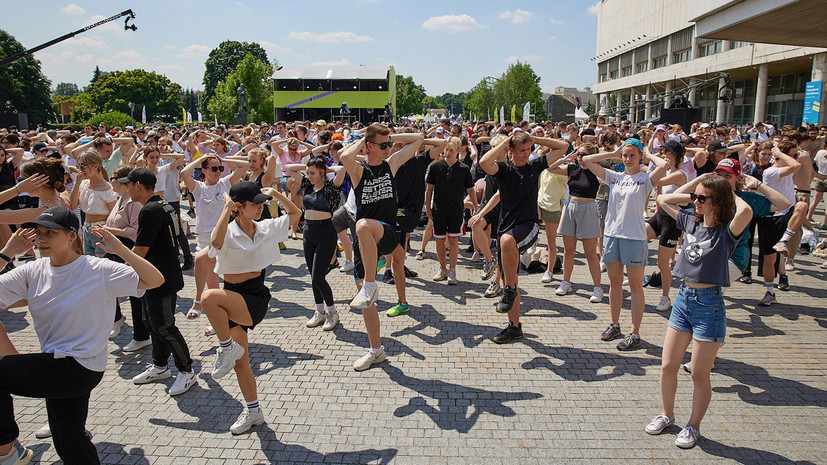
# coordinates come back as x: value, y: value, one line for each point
x: 319, y: 247
x: 66, y: 386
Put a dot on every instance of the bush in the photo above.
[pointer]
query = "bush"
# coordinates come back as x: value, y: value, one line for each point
x: 111, y: 119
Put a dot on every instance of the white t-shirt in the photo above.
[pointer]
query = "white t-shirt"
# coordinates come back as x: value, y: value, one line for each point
x: 167, y: 180
x: 783, y: 184
x: 821, y: 161
x: 627, y: 199
x: 209, y: 201
x: 240, y: 254
x: 72, y: 306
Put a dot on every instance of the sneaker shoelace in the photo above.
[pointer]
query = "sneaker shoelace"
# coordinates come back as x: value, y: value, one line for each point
x: 689, y: 433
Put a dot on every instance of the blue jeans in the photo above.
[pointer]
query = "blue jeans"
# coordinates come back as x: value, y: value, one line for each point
x: 700, y: 312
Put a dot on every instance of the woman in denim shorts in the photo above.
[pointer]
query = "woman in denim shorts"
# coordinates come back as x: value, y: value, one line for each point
x: 698, y: 313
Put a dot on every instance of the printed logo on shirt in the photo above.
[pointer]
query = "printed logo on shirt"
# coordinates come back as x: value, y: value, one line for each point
x: 627, y: 183
x: 378, y: 189
x: 694, y: 250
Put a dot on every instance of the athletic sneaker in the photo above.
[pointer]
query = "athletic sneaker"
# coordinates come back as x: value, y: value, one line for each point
x: 546, y: 277
x: 247, y: 420
x: 398, y: 309
x: 630, y: 342
x: 370, y: 359
x: 315, y: 320
x: 823, y: 266
x: 664, y: 304
x: 420, y: 255
x: 510, y: 333
x: 507, y: 300
x: 781, y: 248
x: 768, y: 300
x: 183, y: 382
x: 116, y: 328
x: 565, y: 288
x: 789, y: 265
x: 19, y: 455
x: 602, y: 267
x: 410, y: 273
x: 387, y: 276
x: 225, y: 359
x: 659, y: 423
x: 612, y: 332
x: 745, y: 278
x: 452, y: 276
x: 380, y: 264
x: 152, y: 374
x: 137, y: 345
x: 364, y: 299
x: 597, y: 296
x: 476, y: 256
x: 783, y: 283
x: 493, y: 290
x: 331, y: 321
x: 488, y: 270
x: 687, y: 438
x: 687, y: 367
x: 282, y: 246
x: 441, y: 275
x: 347, y: 266
x: 46, y: 432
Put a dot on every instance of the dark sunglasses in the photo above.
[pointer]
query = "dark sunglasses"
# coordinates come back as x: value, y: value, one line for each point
x: 700, y: 198
x: 216, y: 169
x: 383, y: 145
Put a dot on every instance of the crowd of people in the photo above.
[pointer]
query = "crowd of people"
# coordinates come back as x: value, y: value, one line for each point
x: 103, y: 209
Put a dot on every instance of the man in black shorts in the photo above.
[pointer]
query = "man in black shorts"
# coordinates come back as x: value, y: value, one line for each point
x: 376, y: 229
x: 157, y: 241
x: 518, y: 183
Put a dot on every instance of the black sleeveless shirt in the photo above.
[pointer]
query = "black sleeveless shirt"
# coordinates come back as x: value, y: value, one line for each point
x: 376, y: 193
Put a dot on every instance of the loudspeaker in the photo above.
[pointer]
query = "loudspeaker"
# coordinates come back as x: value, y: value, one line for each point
x: 683, y: 116
x: 21, y: 120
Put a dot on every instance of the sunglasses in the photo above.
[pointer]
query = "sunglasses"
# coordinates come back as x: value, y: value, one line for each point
x: 383, y: 145
x: 700, y: 198
x: 216, y: 169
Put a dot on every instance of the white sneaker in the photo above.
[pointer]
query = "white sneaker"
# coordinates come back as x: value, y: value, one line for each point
x: 225, y: 359
x: 364, y: 299
x: 659, y: 423
x: 546, y: 277
x: 441, y: 275
x: 789, y: 265
x: 331, y: 321
x: 476, y: 256
x: 116, y: 328
x: 136, y: 345
x: 152, y: 374
x: 183, y: 382
x: 44, y: 432
x: 602, y: 267
x: 565, y: 288
x: 452, y: 276
x: 315, y: 320
x: 664, y: 304
x: 625, y: 281
x: 369, y: 359
x: 489, y: 269
x: 347, y: 266
x: 597, y: 296
x: 687, y: 438
x: 247, y: 420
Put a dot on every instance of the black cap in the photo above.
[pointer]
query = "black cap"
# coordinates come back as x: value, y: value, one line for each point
x: 716, y: 145
x: 140, y: 175
x: 39, y: 147
x: 55, y: 218
x: 674, y: 147
x: 249, y: 191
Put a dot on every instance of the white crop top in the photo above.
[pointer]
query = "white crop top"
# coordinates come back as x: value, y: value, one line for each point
x: 94, y: 202
x: 240, y: 254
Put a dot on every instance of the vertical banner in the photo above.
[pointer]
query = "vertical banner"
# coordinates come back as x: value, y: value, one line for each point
x: 216, y: 120
x: 184, y: 115
x: 199, y: 117
x: 526, y: 110
x: 502, y: 115
x: 514, y: 113
x: 143, y: 115
x: 189, y: 117
x: 812, y: 102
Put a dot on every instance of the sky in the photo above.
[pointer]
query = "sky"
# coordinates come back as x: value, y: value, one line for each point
x: 445, y: 46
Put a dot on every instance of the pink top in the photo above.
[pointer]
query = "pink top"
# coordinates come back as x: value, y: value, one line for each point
x: 125, y: 216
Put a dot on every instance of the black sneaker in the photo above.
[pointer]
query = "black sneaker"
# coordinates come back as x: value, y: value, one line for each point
x: 612, y: 332
x: 783, y: 283
x: 189, y: 263
x: 630, y: 342
x: 332, y: 267
x: 745, y: 278
x: 410, y: 273
x: 388, y: 277
x: 507, y: 300
x: 470, y: 249
x: 509, y: 334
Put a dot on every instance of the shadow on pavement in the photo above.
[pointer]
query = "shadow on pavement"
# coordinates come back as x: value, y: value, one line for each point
x: 745, y: 455
x: 278, y: 452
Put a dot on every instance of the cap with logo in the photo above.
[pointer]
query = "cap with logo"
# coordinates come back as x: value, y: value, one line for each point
x: 730, y: 165
x: 140, y: 175
x: 717, y: 145
x: 55, y: 218
x: 248, y: 191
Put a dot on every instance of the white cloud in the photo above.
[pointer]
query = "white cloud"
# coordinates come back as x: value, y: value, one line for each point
x: 552, y: 38
x: 195, y: 51
x: 517, y: 16
x: 592, y: 10
x: 555, y: 21
x: 271, y: 47
x: 72, y: 10
x: 329, y: 37
x: 525, y: 59
x: 342, y: 62
x: 451, y: 23
x: 169, y: 47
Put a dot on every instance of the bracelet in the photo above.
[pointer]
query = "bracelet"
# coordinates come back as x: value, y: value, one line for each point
x: 17, y: 189
x: 5, y: 257
x: 760, y: 183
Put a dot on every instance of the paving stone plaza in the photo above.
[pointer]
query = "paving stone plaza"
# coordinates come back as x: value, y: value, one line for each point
x: 449, y: 395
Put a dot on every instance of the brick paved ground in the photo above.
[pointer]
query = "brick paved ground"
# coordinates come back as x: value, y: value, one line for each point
x: 449, y: 395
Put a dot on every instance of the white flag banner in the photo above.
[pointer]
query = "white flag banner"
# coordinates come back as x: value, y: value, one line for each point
x: 199, y: 117
x: 143, y: 115
x: 526, y: 110
x: 502, y: 115
x: 189, y: 117
x: 216, y: 120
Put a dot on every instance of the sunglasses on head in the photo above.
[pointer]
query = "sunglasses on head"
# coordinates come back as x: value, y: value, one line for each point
x: 383, y: 145
x: 700, y: 198
x: 216, y: 169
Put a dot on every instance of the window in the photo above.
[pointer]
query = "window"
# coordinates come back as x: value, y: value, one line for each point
x: 680, y: 57
x: 288, y: 84
x: 641, y: 67
x: 613, y: 75
x: 739, y: 44
x: 709, y: 48
x: 658, y: 62
x: 317, y: 85
x: 626, y: 71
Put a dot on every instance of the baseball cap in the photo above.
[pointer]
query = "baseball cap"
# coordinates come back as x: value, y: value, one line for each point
x: 142, y: 176
x: 730, y: 165
x: 674, y: 147
x: 249, y: 191
x: 704, y: 125
x: 716, y: 145
x: 440, y: 130
x: 634, y: 142
x: 660, y: 127
x: 39, y: 147
x: 321, y: 122
x: 55, y: 218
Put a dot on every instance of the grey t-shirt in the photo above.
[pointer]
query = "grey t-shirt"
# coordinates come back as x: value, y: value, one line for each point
x: 705, y: 251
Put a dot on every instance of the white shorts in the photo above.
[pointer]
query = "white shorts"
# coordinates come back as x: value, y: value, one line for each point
x: 204, y: 240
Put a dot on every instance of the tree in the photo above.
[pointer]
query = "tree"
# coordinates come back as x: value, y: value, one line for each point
x: 454, y: 103
x: 223, y: 60
x: 68, y: 89
x: 114, y: 91
x: 23, y: 86
x: 518, y: 85
x: 189, y: 100
x: 95, y: 75
x: 480, y: 101
x: 409, y: 96
x: 254, y: 74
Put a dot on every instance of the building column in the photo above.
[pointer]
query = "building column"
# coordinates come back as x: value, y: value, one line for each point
x: 761, y: 92
x: 618, y: 106
x: 693, y: 93
x: 647, y: 112
x: 667, y: 99
x: 720, y: 113
x: 820, y: 74
x: 632, y: 106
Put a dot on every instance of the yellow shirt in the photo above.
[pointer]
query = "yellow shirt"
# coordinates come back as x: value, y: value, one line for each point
x: 552, y: 190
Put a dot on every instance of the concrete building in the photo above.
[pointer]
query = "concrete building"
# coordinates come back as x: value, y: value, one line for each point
x: 586, y: 95
x: 648, y: 50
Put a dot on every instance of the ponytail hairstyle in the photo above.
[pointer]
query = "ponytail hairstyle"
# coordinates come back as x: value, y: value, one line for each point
x: 51, y: 167
x: 318, y: 163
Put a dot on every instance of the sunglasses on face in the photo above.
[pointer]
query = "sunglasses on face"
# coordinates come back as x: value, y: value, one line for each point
x: 700, y: 198
x: 383, y: 145
x: 216, y: 169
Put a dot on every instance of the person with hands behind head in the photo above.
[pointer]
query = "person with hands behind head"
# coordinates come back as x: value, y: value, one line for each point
x: 243, y: 247
x: 70, y: 297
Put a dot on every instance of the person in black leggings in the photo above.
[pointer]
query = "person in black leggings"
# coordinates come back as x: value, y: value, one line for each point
x: 321, y: 197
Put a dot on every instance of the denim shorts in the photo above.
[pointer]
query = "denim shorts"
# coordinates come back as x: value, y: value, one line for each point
x: 629, y: 252
x: 699, y: 312
x: 89, y: 241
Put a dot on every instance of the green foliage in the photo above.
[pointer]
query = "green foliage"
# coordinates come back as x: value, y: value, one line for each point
x: 114, y: 91
x: 480, y: 101
x: 223, y: 60
x: 23, y: 85
x: 95, y: 75
x: 254, y: 74
x: 111, y: 119
x: 409, y: 96
x: 454, y: 103
x: 69, y: 89
x: 83, y: 108
x: 189, y: 100
x: 518, y: 85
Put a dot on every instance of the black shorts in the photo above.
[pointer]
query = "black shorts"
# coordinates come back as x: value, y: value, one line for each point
x: 525, y: 234
x: 408, y: 219
x: 255, y: 295
x: 771, y: 230
x: 493, y: 220
x: 388, y: 243
x: 666, y: 228
x: 447, y: 225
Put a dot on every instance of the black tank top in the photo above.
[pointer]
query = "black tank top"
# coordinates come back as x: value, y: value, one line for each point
x: 376, y: 193
x: 265, y: 213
